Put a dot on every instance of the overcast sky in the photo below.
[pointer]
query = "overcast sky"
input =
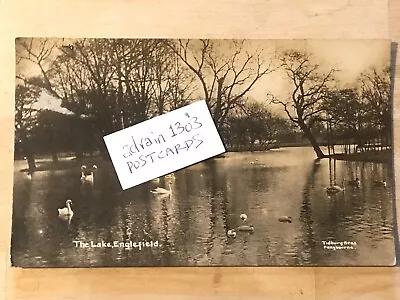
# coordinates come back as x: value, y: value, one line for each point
x: 351, y: 57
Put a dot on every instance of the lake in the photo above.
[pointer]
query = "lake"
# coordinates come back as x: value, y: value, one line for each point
x: 189, y: 227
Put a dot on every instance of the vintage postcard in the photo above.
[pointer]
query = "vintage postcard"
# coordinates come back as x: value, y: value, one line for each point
x: 161, y: 152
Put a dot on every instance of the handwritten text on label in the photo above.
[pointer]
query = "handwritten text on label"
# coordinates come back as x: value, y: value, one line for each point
x: 164, y: 144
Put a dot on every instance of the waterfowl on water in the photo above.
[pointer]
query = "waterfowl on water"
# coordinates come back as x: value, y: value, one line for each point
x: 155, y: 180
x: 159, y: 190
x: 286, y: 219
x: 231, y: 233
x: 66, y: 211
x: 380, y: 183
x: 334, y: 189
x: 355, y: 183
x: 87, y: 175
x: 243, y: 217
x: 246, y: 228
x: 170, y: 176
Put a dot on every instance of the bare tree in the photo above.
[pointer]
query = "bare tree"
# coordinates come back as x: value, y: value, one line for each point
x: 36, y: 52
x: 39, y: 52
x: 375, y: 98
x: 255, y: 127
x: 309, y: 88
x: 70, y: 72
x: 173, y: 84
x: 226, y: 70
x: 345, y: 117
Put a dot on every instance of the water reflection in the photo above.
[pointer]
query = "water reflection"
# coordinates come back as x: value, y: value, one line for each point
x: 207, y: 199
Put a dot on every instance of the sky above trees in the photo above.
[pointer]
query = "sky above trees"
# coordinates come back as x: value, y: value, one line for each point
x: 351, y: 57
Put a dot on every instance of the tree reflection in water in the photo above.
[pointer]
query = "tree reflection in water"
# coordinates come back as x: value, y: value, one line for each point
x: 207, y: 199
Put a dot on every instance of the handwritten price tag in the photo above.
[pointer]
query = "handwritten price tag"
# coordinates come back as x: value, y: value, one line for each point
x: 164, y: 144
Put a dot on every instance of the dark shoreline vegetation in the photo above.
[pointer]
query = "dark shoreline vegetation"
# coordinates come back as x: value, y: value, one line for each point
x: 382, y: 156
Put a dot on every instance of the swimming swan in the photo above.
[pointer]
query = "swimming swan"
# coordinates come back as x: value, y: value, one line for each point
x: 159, y: 190
x: 334, y: 189
x: 87, y: 175
x: 66, y: 211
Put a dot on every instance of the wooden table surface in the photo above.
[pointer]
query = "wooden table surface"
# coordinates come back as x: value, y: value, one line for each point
x: 315, y: 19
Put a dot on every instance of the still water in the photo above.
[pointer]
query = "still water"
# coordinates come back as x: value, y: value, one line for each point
x: 189, y: 227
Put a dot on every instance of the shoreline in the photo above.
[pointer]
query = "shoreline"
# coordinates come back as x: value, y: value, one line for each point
x: 383, y: 156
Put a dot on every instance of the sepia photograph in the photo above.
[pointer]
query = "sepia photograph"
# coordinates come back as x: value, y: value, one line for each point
x: 306, y: 178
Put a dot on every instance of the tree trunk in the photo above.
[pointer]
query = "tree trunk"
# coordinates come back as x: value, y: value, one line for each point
x: 54, y: 156
x: 31, y: 162
x: 29, y: 152
x: 252, y: 142
x: 309, y: 135
x: 53, y: 145
x: 79, y: 155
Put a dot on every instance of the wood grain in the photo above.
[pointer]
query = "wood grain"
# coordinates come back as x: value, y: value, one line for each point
x: 197, y: 282
x: 177, y: 18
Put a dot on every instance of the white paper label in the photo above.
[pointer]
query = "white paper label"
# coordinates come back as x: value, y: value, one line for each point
x: 164, y: 144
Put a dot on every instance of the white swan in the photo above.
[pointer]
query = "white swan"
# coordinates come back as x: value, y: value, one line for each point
x: 334, y: 189
x: 87, y: 175
x: 66, y: 211
x: 243, y: 217
x: 159, y: 190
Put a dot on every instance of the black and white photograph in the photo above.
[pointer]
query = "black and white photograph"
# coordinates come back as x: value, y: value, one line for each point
x: 307, y: 178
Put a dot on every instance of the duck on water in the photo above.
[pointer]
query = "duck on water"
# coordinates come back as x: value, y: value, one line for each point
x: 356, y: 183
x: 381, y: 183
